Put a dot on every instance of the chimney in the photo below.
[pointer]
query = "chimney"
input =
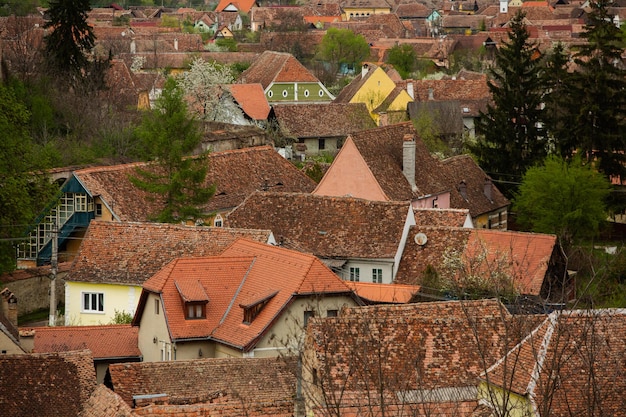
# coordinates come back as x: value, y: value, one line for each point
x: 430, y: 94
x: 410, y: 90
x: 487, y: 188
x: 364, y: 69
x: 463, y: 189
x: 408, y: 159
x: 383, y: 119
x: 9, y: 306
x: 176, y: 44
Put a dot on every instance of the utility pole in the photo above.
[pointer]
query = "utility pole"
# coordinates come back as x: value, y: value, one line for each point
x: 53, y: 276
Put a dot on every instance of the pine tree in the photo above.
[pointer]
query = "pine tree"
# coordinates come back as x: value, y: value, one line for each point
x: 597, y: 101
x: 167, y: 136
x: 70, y: 38
x: 510, y: 139
x: 557, y: 81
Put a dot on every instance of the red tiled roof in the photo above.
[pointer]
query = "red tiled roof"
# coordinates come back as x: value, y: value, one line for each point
x: 130, y: 253
x: 525, y: 257
x: 243, y: 6
x: 236, y: 174
x: 440, y: 217
x: 384, y: 293
x: 329, y: 227
x: 105, y: 403
x: 432, y: 352
x: 52, y: 384
x: 322, y: 120
x: 224, y: 387
x: 273, y: 67
x: 245, y: 272
x: 555, y: 365
x: 104, y: 341
x: 251, y: 98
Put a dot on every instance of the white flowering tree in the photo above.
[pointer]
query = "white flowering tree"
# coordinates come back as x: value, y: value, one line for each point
x: 203, y: 87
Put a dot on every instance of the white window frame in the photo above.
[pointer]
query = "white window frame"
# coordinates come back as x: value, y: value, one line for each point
x: 218, y: 221
x: 377, y: 275
x: 285, y: 93
x: 355, y: 273
x: 99, y: 297
x: 80, y: 201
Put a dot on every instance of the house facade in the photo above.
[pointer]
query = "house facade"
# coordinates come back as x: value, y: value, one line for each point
x: 225, y: 306
x: 285, y: 80
x: 360, y: 240
x: 116, y: 258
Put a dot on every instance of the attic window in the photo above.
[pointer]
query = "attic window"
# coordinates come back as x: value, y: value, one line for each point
x: 321, y: 93
x: 306, y: 93
x: 218, y: 221
x: 252, y: 309
x: 270, y: 94
x: 195, y: 310
x: 465, y: 109
x: 285, y: 93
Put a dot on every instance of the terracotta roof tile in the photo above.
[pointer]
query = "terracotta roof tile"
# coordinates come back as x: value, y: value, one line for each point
x: 240, y: 386
x: 252, y: 100
x: 322, y: 120
x: 432, y: 352
x: 130, y: 253
x: 244, y: 273
x: 329, y: 227
x: 273, y: 67
x: 384, y: 293
x: 524, y: 256
x: 554, y: 364
x: 441, y: 217
x: 105, y: 403
x: 243, y: 6
x: 463, y: 168
x: 47, y: 385
x: 104, y: 341
x: 235, y: 174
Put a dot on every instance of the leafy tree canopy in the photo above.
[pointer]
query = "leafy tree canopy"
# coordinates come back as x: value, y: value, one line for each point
x: 342, y: 46
x: 23, y: 186
x: 403, y: 58
x: 167, y: 135
x: 564, y: 198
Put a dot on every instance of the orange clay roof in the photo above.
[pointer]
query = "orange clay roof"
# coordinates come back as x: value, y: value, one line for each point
x: 245, y: 274
x: 107, y: 341
x: 383, y: 293
x: 241, y: 5
x: 251, y: 98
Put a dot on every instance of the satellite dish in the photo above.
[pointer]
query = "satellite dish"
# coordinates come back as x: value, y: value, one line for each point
x: 421, y: 239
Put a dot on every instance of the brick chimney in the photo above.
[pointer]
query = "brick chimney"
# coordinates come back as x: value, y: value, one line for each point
x: 408, y: 159
x: 9, y: 306
x: 487, y: 189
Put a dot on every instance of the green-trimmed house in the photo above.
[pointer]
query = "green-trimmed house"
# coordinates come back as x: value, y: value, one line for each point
x: 285, y: 80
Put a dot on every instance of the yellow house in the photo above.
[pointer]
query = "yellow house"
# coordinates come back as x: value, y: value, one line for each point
x: 354, y: 9
x: 380, y: 93
x: 115, y: 259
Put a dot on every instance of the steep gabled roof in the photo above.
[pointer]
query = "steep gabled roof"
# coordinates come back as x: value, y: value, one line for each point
x: 243, y: 6
x: 244, y: 275
x: 104, y: 341
x: 235, y: 174
x: 252, y: 100
x: 382, y: 150
x: 525, y: 257
x: 572, y: 362
x: 227, y: 386
x: 322, y: 120
x: 349, y: 91
x: 276, y: 67
x: 47, y: 385
x: 328, y: 227
x: 130, y: 253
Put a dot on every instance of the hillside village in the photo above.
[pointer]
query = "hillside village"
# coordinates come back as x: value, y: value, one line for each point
x: 393, y: 283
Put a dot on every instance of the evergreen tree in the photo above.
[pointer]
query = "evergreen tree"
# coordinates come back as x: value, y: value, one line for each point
x: 557, y: 81
x: 597, y: 101
x: 510, y: 139
x: 167, y: 135
x: 70, y: 38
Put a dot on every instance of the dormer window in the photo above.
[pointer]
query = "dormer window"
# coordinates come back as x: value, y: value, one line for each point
x: 252, y: 309
x: 195, y: 311
x: 194, y: 297
x: 218, y: 221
